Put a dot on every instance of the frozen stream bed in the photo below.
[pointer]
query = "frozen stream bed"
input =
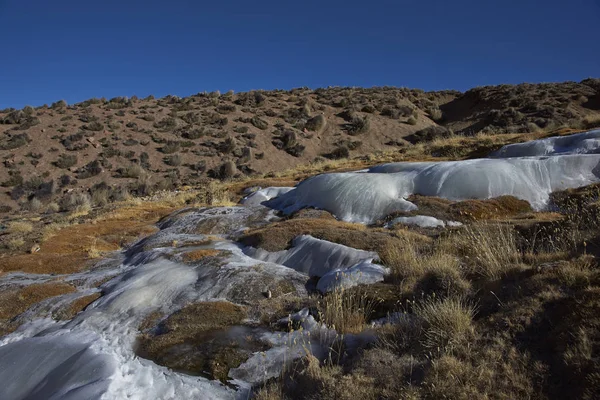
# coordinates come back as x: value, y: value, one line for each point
x: 92, y: 356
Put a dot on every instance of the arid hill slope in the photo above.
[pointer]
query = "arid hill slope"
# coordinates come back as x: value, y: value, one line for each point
x: 136, y: 145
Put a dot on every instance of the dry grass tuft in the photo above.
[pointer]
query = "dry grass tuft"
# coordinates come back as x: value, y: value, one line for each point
x: 416, y: 266
x: 346, y: 311
x: 448, y: 322
x: 490, y: 249
x: 19, y: 227
x: 196, y: 255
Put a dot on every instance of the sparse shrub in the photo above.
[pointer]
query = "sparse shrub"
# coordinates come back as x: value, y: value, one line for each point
x: 14, y: 141
x: 435, y: 113
x: 226, y: 108
x: 166, y: 124
x: 191, y: 118
x: 78, y: 202
x: 429, y: 134
x: 411, y: 121
x: 66, y: 161
x: 92, y: 168
x: 346, y: 311
x: 131, y: 171
x: 100, y: 194
x: 492, y: 247
x: 14, y: 179
x: 228, y: 146
x: 338, y: 153
x: 14, y: 117
x: 259, y: 123
x: 358, y: 125
x: 173, y: 160
x: 58, y: 105
x: 29, y: 122
x: 227, y: 170
x: 170, y: 147
x: 316, y: 124
x: 192, y: 133
x: 93, y: 126
x: 369, y: 108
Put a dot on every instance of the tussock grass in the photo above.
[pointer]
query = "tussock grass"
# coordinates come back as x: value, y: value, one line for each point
x: 490, y: 249
x: 19, y: 227
x: 448, y: 322
x: 346, y: 311
x: 419, y: 267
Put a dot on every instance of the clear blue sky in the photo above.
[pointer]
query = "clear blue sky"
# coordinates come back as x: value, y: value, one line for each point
x: 77, y: 49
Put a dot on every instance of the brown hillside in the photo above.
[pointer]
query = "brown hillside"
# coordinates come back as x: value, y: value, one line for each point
x: 108, y: 148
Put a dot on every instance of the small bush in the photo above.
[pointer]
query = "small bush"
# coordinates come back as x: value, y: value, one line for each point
x: 358, y: 125
x: 166, y: 124
x: 338, y: 153
x: 173, y: 160
x: 79, y: 202
x: 227, y: 170
x: 131, y: 171
x: 170, y: 147
x: 259, y: 123
x: 66, y: 161
x: 316, y: 124
x: 14, y: 141
x: 93, y: 126
x: 191, y: 118
x: 92, y: 168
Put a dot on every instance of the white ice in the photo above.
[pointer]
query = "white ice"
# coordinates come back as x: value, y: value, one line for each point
x: 579, y: 143
x: 259, y: 196
x: 368, y: 197
x: 313, y: 257
x: 363, y: 273
x: 422, y: 221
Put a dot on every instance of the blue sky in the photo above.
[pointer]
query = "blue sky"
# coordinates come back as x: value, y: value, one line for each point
x: 78, y: 49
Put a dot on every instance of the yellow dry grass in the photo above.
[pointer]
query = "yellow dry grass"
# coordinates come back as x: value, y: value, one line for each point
x: 19, y: 227
x: 14, y: 302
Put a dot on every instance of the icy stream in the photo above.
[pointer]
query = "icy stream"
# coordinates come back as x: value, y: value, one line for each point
x: 92, y: 356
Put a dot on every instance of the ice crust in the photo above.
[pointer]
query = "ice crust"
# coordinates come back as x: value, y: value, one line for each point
x: 336, y: 265
x: 370, y: 196
x: 92, y: 356
x: 579, y: 143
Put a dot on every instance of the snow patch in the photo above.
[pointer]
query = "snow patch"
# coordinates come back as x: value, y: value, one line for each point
x: 368, y: 197
x: 579, y: 143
